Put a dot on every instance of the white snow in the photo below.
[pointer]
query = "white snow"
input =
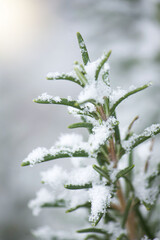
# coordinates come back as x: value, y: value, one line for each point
x: 114, y: 228
x: 45, y: 97
x: 69, y: 140
x: 42, y: 196
x: 82, y: 176
x: 101, y: 133
x: 55, y: 75
x: 57, y: 99
x: 142, y: 191
x: 69, y: 98
x: 49, y: 98
x: 37, y: 155
x: 55, y: 177
x: 100, y: 198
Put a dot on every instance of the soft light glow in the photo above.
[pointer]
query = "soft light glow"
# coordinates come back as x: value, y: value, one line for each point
x: 20, y: 22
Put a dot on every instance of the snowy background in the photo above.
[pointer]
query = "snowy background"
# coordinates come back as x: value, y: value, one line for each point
x: 37, y: 37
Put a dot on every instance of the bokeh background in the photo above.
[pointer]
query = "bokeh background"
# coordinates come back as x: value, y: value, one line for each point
x: 39, y: 36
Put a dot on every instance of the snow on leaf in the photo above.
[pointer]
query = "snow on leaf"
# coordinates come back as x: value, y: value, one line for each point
x: 71, y: 76
x: 101, y: 133
x: 100, y: 198
x: 135, y: 139
x: 82, y: 176
x: 42, y: 154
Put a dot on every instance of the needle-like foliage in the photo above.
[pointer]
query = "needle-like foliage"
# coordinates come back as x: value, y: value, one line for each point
x: 119, y: 199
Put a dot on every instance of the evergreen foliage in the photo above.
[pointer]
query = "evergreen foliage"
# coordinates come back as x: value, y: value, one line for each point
x: 118, y: 200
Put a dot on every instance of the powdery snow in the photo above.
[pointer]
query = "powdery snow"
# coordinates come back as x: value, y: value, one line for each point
x: 69, y: 140
x: 142, y: 191
x: 42, y: 196
x: 49, y: 98
x: 101, y: 133
x: 82, y: 176
x: 100, y: 198
x: 57, y: 75
x: 55, y: 177
x: 114, y: 228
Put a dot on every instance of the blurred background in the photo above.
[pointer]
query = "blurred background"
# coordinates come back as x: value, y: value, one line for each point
x: 39, y: 36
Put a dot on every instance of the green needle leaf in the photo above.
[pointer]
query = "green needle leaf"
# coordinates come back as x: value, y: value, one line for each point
x: 95, y: 230
x: 64, y: 76
x: 126, y: 212
x: 102, y: 172
x: 144, y: 224
x: 60, y: 154
x: 101, y: 64
x: 92, y: 236
x: 80, y: 76
x: 123, y: 172
x: 127, y: 95
x: 98, y: 220
x: 77, y: 187
x: 63, y: 101
x: 58, y: 203
x: 86, y: 205
x: 84, y: 52
x: 135, y: 140
x: 81, y: 125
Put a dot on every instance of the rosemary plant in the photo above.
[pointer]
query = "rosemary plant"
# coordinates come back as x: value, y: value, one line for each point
x: 119, y: 195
